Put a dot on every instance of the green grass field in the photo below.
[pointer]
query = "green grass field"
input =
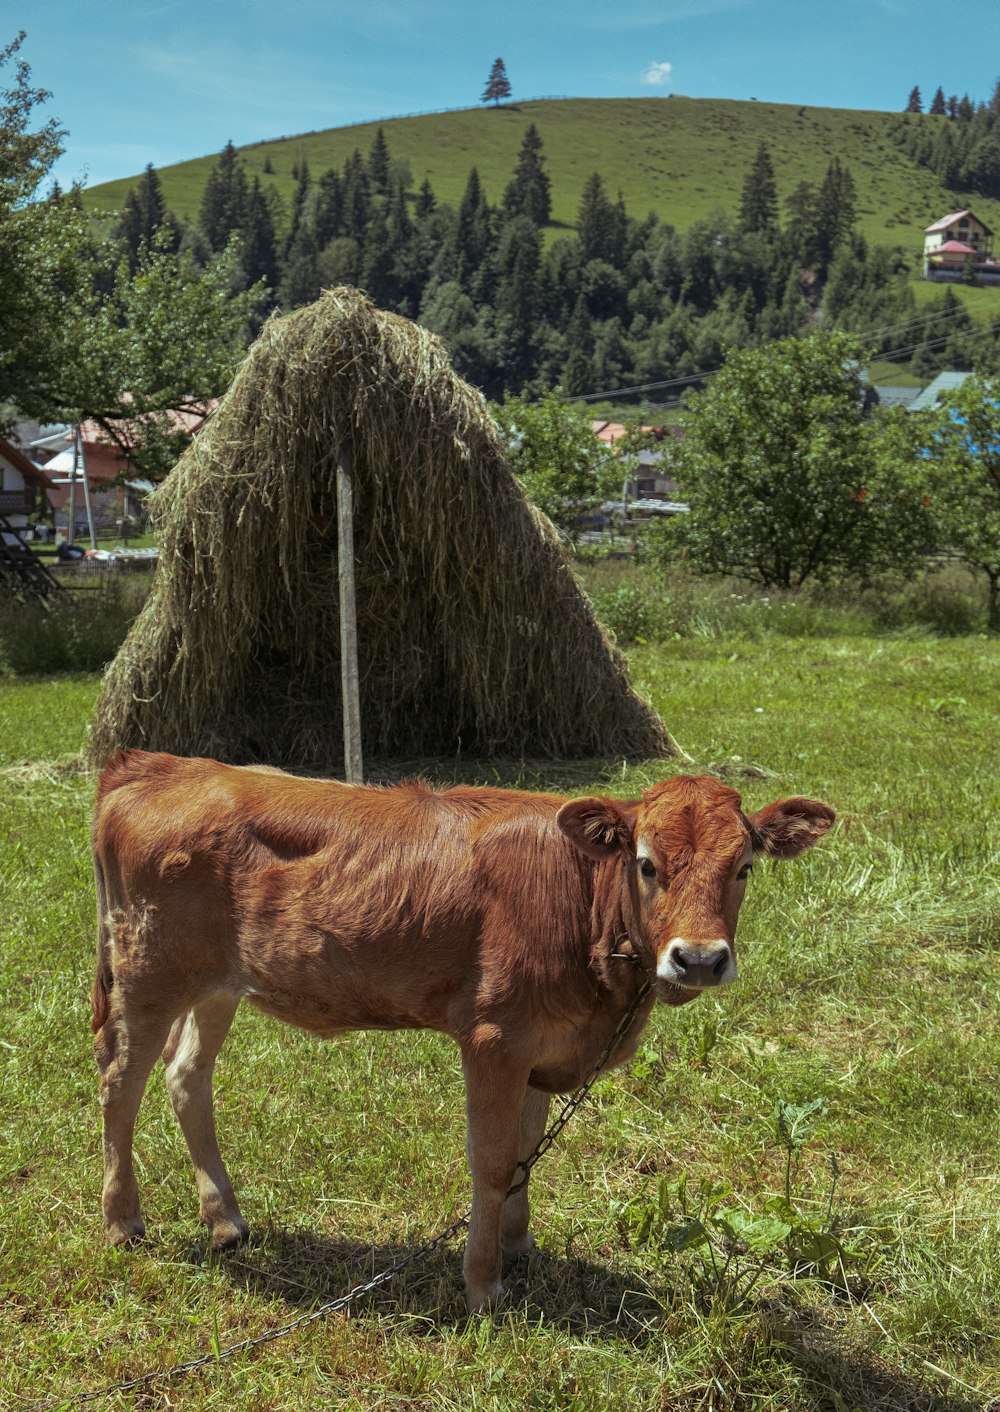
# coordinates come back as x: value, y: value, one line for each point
x: 680, y: 157
x: 866, y: 1015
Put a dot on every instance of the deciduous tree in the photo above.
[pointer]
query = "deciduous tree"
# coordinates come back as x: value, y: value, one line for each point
x: 779, y: 469
x: 962, y: 464
x: 558, y: 460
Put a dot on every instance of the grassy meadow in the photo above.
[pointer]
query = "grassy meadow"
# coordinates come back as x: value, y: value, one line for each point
x: 682, y: 158
x: 791, y: 1200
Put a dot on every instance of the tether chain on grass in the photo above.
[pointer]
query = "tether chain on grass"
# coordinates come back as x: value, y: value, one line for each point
x: 334, y: 1306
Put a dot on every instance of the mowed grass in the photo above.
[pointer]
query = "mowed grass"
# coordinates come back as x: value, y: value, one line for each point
x: 682, y: 158
x: 870, y: 988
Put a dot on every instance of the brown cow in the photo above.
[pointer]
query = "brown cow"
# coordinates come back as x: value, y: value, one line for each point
x: 520, y: 924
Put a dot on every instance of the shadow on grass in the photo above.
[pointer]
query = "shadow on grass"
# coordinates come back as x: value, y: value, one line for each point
x: 305, y: 1270
x: 828, y: 1368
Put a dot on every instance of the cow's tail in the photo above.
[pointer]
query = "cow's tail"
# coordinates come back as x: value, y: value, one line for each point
x: 100, y: 999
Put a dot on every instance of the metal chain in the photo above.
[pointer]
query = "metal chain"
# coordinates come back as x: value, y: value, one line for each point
x: 343, y: 1301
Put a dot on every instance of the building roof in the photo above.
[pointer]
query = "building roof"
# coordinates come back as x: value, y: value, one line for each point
x: 955, y: 216
x: 20, y: 462
x: 897, y: 396
x: 944, y: 382
x: 952, y: 247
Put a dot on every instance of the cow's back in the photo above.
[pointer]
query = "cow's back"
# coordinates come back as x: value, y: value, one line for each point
x: 334, y: 906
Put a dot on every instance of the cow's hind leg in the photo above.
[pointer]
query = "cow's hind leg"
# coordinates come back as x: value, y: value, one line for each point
x: 494, y: 1100
x: 515, y: 1236
x: 189, y: 1056
x: 126, y: 1048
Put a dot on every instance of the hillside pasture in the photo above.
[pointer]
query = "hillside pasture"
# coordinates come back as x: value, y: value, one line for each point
x: 790, y: 1200
x: 682, y: 158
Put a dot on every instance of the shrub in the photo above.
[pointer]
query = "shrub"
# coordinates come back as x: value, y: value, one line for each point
x: 74, y: 632
x: 628, y: 612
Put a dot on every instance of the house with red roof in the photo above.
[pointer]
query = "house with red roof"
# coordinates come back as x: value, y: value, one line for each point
x: 959, y: 244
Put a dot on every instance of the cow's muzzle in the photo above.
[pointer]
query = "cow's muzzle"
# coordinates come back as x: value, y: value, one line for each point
x: 696, y: 965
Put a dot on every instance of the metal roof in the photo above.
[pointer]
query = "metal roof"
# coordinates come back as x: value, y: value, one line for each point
x: 944, y: 382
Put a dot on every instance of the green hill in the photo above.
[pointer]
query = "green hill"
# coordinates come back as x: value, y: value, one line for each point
x: 680, y: 157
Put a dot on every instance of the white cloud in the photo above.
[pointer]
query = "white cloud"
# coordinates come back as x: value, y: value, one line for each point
x: 658, y: 74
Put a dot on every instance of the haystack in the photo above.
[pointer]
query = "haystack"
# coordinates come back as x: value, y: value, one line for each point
x: 473, y: 635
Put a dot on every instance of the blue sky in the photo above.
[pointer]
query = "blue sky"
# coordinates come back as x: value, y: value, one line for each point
x: 137, y: 81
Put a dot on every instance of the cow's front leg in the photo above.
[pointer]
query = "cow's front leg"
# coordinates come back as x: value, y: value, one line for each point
x: 515, y: 1237
x: 494, y: 1097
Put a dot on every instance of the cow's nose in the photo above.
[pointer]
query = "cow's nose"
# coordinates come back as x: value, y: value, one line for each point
x: 697, y: 964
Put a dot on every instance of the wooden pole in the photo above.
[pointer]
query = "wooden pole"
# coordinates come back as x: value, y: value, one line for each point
x: 78, y: 453
x: 350, y: 686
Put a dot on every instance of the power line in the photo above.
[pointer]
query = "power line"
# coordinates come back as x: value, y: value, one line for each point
x: 610, y: 394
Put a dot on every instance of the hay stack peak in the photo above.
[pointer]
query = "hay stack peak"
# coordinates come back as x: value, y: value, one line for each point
x: 472, y: 632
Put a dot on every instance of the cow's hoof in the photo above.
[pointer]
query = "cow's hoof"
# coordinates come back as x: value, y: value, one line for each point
x: 482, y: 1297
x: 513, y: 1246
x: 124, y: 1232
x: 229, y: 1232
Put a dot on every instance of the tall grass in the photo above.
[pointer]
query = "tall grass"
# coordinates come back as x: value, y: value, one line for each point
x: 642, y: 603
x: 80, y: 630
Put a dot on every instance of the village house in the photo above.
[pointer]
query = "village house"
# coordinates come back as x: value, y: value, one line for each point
x: 650, y: 488
x: 960, y: 246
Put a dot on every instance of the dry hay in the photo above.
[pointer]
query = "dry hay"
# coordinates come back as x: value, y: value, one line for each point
x: 473, y: 635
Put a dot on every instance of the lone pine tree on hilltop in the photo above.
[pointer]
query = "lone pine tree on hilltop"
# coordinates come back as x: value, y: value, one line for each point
x: 498, y: 84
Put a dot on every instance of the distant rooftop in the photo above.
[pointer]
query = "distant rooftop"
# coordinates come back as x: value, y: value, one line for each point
x: 947, y: 221
x: 897, y: 396
x: 944, y: 382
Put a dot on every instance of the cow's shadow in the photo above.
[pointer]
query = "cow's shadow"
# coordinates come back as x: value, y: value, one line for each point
x: 585, y: 1298
x: 305, y: 1270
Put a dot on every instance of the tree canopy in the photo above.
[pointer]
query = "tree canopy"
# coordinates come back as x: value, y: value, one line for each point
x: 782, y: 472
x: 126, y: 330
x: 961, y: 461
x: 558, y: 460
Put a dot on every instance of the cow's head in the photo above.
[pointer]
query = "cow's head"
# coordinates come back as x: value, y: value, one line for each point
x: 687, y: 850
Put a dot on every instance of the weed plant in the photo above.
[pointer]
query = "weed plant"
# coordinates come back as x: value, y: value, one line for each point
x: 789, y: 1200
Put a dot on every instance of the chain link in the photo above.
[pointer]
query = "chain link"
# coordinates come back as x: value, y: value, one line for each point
x: 344, y: 1301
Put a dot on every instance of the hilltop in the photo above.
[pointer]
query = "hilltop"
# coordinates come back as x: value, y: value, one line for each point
x: 681, y: 158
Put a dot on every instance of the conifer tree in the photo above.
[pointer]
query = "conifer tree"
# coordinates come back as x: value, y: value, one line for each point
x: 329, y: 208
x: 143, y: 215
x: 474, y: 231
x: 497, y: 85
x: 915, y: 104
x: 223, y: 201
x: 759, y: 202
x: 378, y: 163
x: 595, y: 222
x: 301, y: 193
x: 938, y: 106
x: 260, y: 251
x: 530, y: 190
x: 357, y: 197
x: 426, y: 200
x: 801, y: 230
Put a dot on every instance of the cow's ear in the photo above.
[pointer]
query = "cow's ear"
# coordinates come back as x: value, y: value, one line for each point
x: 598, y: 827
x: 789, y: 827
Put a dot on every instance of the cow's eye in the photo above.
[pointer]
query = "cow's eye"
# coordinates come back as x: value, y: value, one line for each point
x: 744, y: 872
x: 647, y: 867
